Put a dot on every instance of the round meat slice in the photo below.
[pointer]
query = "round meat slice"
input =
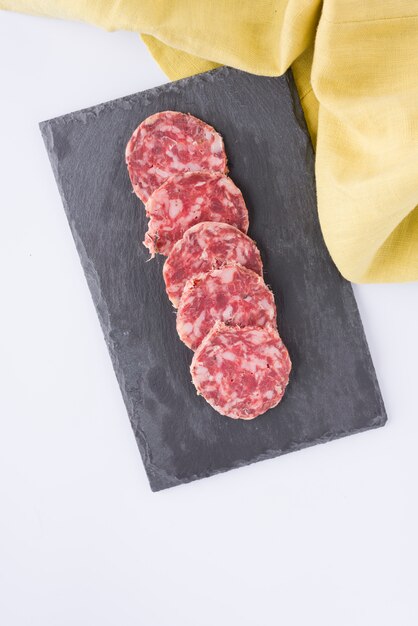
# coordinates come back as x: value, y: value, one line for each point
x: 204, y: 247
x: 187, y: 199
x: 170, y: 142
x: 241, y: 372
x: 233, y: 294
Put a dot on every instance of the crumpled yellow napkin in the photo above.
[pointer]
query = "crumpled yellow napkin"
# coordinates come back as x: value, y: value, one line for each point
x: 355, y: 66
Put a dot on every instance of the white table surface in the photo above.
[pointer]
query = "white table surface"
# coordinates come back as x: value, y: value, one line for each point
x: 326, y: 536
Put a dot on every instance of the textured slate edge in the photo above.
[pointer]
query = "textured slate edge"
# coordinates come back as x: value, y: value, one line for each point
x: 93, y: 282
x: 158, y: 478
x: 126, y: 101
x: 377, y: 422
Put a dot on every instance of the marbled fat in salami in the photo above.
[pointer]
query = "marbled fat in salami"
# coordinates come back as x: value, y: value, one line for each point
x: 241, y: 372
x: 207, y: 246
x: 187, y: 199
x: 168, y: 143
x: 232, y: 294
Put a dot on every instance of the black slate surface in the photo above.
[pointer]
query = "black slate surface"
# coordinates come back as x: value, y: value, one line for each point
x: 333, y: 389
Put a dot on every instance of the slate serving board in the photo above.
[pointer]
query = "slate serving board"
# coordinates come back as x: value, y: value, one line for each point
x: 333, y: 389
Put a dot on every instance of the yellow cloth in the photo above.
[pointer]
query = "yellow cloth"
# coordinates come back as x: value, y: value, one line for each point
x: 356, y: 68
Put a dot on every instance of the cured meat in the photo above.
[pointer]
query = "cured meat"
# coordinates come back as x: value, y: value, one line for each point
x: 241, y: 372
x: 207, y: 246
x: 187, y: 199
x: 170, y: 142
x: 233, y: 294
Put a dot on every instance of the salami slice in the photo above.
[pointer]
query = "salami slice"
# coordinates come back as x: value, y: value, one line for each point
x: 187, y: 199
x: 241, y: 372
x: 207, y: 246
x: 233, y: 294
x: 168, y: 143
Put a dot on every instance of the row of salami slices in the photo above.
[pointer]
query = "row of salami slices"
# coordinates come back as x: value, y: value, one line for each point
x: 213, y: 273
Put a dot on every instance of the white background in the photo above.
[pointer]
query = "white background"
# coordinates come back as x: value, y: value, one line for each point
x: 326, y: 536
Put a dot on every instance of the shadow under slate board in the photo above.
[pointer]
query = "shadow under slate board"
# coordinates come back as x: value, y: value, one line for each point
x: 333, y: 389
